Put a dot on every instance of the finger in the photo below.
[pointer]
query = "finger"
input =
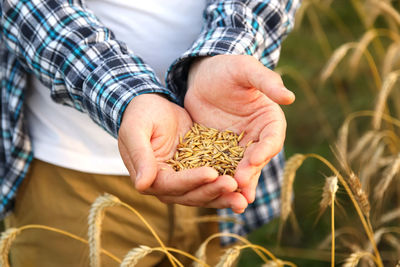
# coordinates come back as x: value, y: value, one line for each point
x: 245, y: 172
x: 271, y: 142
x: 204, y: 194
x: 142, y: 158
x: 249, y: 192
x: 172, y: 183
x: 236, y: 201
x: 268, y: 82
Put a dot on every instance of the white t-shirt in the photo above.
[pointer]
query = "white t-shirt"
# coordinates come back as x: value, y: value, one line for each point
x: 158, y: 31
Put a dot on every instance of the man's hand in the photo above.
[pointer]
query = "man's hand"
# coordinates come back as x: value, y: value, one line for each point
x: 148, y: 136
x: 240, y: 94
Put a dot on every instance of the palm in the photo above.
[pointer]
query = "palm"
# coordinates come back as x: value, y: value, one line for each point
x: 239, y: 93
x: 241, y: 109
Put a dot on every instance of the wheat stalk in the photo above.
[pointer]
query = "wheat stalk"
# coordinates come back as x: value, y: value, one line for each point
x: 332, y: 188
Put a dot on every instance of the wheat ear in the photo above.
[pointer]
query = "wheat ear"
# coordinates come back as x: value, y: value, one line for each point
x: 95, y: 220
x: 6, y: 241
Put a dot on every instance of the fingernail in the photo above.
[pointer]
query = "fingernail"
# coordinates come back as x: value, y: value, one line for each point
x: 239, y: 211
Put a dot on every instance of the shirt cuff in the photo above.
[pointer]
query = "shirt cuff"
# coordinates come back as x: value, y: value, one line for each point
x: 112, y: 85
x: 219, y: 41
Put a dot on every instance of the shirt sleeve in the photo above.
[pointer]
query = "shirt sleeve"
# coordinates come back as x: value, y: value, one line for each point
x: 68, y: 49
x: 252, y: 27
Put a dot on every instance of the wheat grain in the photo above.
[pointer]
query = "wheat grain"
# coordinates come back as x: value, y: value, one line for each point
x: 6, y: 240
x: 134, y: 255
x: 204, y: 146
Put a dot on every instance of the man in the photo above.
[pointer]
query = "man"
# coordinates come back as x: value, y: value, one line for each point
x: 64, y: 47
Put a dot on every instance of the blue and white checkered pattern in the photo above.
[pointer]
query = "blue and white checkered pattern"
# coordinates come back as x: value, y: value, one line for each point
x: 68, y: 49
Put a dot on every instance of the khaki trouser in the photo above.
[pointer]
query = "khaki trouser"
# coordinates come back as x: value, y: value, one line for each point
x: 61, y: 198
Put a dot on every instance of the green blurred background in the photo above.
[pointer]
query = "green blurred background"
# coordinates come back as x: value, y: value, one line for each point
x: 314, y: 120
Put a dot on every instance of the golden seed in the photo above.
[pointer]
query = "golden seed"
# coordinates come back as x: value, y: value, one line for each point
x: 202, y: 146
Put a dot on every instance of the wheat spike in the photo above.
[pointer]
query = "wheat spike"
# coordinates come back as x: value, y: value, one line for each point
x: 387, y: 178
x: 389, y: 216
x: 360, y: 48
x: 201, y: 254
x: 289, y: 174
x: 387, y: 86
x: 134, y: 255
x: 354, y: 258
x: 229, y: 258
x: 387, y: 8
x: 6, y: 241
x: 392, y: 55
x: 335, y: 59
x: 361, y: 144
x: 329, y: 190
x: 371, y: 167
x: 361, y: 197
x: 270, y: 264
x: 372, y: 12
x: 96, y: 216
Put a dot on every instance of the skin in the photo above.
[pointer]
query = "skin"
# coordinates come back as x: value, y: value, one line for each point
x: 148, y: 136
x: 240, y: 94
x: 224, y: 92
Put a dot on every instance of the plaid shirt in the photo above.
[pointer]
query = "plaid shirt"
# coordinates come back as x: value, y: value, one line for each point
x: 68, y: 49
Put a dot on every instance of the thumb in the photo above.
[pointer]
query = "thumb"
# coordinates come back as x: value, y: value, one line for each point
x: 267, y: 81
x: 142, y: 158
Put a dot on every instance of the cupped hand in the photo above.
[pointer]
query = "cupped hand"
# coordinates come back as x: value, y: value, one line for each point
x: 148, y: 136
x: 238, y: 93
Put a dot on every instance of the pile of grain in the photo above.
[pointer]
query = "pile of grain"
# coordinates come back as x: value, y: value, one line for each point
x: 204, y: 146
